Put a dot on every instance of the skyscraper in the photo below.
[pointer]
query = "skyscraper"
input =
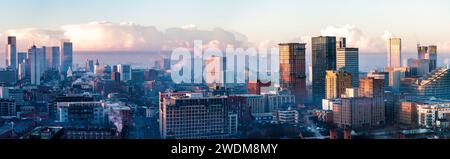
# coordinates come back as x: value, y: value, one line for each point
x: 125, y: 72
x: 66, y: 56
x: 394, y: 52
x: 293, y: 69
x: 336, y: 83
x: 432, y: 56
x: 35, y: 65
x: 89, y: 65
x: 347, y: 59
x: 373, y: 87
x: 428, y: 53
x: 21, y: 57
x: 11, y: 52
x: 52, y: 57
x: 323, y: 59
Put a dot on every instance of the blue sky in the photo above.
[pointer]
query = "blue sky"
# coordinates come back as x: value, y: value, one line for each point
x: 416, y: 20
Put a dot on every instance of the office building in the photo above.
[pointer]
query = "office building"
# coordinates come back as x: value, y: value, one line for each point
x: 22, y: 57
x: 191, y: 116
x: 347, y: 59
x: 53, y: 108
x: 278, y: 101
x: 52, y: 57
x: 293, y: 69
x: 419, y: 67
x: 8, y: 76
x: 323, y: 59
x: 166, y: 64
x: 394, y: 52
x: 428, y: 53
x: 84, y: 113
x: 354, y: 113
x: 66, y: 56
x: 395, y: 75
x: 11, y: 52
x: 373, y: 87
x: 35, y: 57
x: 407, y: 114
x: 89, y: 65
x: 125, y: 72
x: 436, y: 84
x: 336, y: 83
x: 254, y: 102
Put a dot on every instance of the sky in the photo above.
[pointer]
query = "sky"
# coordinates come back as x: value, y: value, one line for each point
x: 148, y: 24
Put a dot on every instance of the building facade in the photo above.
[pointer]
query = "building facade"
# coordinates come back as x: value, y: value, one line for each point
x: 293, y: 69
x: 336, y: 83
x: 323, y: 59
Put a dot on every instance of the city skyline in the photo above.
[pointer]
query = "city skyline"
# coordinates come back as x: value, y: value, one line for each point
x: 142, y: 25
x: 299, y: 75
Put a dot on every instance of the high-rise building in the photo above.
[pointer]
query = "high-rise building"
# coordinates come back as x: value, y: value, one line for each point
x: 35, y: 55
x: 11, y: 52
x: 347, y: 59
x: 336, y: 83
x: 341, y: 43
x: 380, y: 75
x: 419, y: 67
x: 293, y: 69
x: 89, y: 65
x: 395, y: 75
x: 190, y: 116
x: 166, y: 64
x: 66, y: 56
x: 436, y: 84
x: 52, y: 57
x: 21, y: 57
x: 373, y: 87
x: 125, y: 72
x: 432, y: 56
x: 394, y: 52
x: 428, y: 53
x: 323, y: 59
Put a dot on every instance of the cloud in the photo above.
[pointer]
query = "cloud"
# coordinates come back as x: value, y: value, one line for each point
x: 356, y: 38
x: 108, y: 36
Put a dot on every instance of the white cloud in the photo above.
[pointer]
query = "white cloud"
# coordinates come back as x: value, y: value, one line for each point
x: 356, y: 38
x: 103, y: 36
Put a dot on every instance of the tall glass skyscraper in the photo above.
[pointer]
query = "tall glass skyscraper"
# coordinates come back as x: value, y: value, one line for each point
x: 11, y: 52
x: 347, y: 59
x: 323, y: 59
x: 35, y: 65
x: 394, y: 52
x: 66, y: 56
x: 52, y: 57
